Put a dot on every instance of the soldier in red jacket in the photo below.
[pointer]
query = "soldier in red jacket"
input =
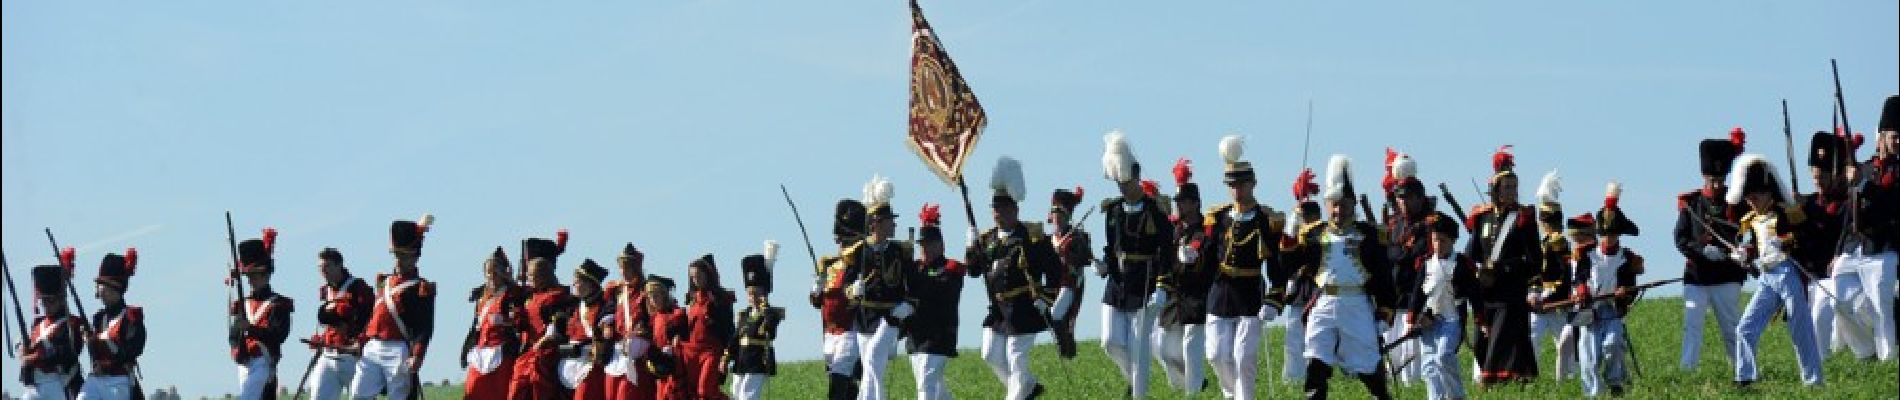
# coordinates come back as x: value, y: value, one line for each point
x: 547, y: 306
x: 49, y: 367
x: 340, y: 317
x: 261, y: 321
x: 669, y: 326
x: 402, y: 321
x: 709, y: 327
x: 629, y: 338
x: 120, y: 336
x: 585, y: 351
x: 492, y: 342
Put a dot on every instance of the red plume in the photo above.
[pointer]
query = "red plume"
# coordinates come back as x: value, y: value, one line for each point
x: 1303, y: 185
x: 1149, y: 187
x: 1855, y: 141
x: 1182, y: 171
x: 270, y: 239
x: 930, y: 216
x: 560, y: 239
x: 1390, y: 156
x: 131, y: 260
x: 1503, y: 159
x: 1738, y: 138
x: 1078, y: 193
x: 66, y: 257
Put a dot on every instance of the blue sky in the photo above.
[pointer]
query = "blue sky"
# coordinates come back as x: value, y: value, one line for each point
x: 670, y: 124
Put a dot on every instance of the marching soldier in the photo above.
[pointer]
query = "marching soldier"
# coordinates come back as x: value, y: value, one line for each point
x: 709, y: 327
x: 119, y: 336
x: 262, y: 321
x: 402, y: 321
x: 1072, y: 245
x: 1710, y: 280
x: 1354, y: 279
x: 49, y: 366
x: 750, y: 352
x: 669, y: 326
x: 631, y: 335
x: 1446, y: 278
x: 1295, y: 294
x: 879, y: 265
x: 1504, y: 242
x: 936, y: 285
x: 535, y: 375
x: 1821, y: 236
x: 341, y: 316
x: 1409, y: 240
x: 1553, y: 273
x: 587, y: 335
x: 1603, y: 281
x: 1181, y: 343
x: 835, y: 311
x: 1018, y: 265
x: 493, y: 341
x: 1244, y: 240
x: 1875, y: 225
x: 1138, y: 239
x: 1769, y: 243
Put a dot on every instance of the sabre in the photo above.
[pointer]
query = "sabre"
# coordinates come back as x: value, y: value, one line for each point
x: 809, y: 250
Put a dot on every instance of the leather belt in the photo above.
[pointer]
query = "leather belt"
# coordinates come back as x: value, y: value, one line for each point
x: 1335, y: 290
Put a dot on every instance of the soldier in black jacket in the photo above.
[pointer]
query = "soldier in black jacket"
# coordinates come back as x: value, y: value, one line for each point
x: 1072, y: 245
x: 1504, y: 243
x: 49, y: 362
x: 879, y: 264
x: 1243, y: 242
x: 1019, y: 267
x: 751, y: 353
x: 935, y: 287
x: 1821, y: 239
x: 1137, y: 244
x: 1875, y: 224
x: 118, y: 335
x: 1710, y: 280
x: 1181, y: 343
x: 1354, y: 278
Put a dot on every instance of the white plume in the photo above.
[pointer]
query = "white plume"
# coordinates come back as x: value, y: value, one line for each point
x: 1549, y: 190
x: 878, y: 191
x: 1337, y: 177
x: 1118, y: 162
x: 771, y: 253
x: 1008, y: 177
x: 1404, y: 168
x: 1231, y: 148
x: 1615, y: 189
x: 426, y: 220
x: 1739, y: 173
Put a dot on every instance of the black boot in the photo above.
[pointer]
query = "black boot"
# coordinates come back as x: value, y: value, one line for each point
x: 1375, y: 384
x: 1316, y: 375
x: 1065, y: 340
x: 842, y: 388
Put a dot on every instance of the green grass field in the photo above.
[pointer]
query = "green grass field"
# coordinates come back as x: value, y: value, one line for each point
x: 1653, y: 326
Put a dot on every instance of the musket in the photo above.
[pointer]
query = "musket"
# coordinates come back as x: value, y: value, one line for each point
x: 18, y: 316
x: 1366, y: 206
x: 1457, y: 210
x: 818, y: 271
x: 85, y: 319
x: 232, y: 280
x: 1839, y: 100
x: 304, y: 384
x: 1787, y: 131
x: 1595, y: 298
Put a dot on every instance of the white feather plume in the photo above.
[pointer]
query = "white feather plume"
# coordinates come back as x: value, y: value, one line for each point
x: 771, y: 253
x: 1549, y: 190
x: 1008, y: 177
x: 1404, y: 167
x: 426, y: 220
x: 1118, y: 161
x: 1739, y: 173
x: 878, y: 191
x: 1231, y: 148
x: 1337, y: 176
x: 1614, y: 189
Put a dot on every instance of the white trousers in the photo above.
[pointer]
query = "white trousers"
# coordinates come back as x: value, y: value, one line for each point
x: 253, y: 375
x: 1293, y: 347
x: 1874, y: 305
x: 1342, y: 333
x: 1823, y: 312
x: 1407, y: 372
x: 929, y: 371
x: 1847, y: 322
x: 384, y: 366
x: 46, y: 386
x: 747, y: 386
x: 1181, y: 350
x: 1233, y: 347
x: 331, y: 375
x: 97, y: 387
x: 841, y: 352
x: 1124, y: 337
x: 1697, y: 301
x: 875, y: 349
x: 1008, y: 357
x: 1567, y: 351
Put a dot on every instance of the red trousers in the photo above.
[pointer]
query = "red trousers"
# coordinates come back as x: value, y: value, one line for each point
x: 534, y: 377
x: 702, y: 378
x: 490, y: 386
x: 593, y: 387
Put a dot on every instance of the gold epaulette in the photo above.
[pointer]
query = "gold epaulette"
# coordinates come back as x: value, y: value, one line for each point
x: 1276, y: 220
x: 1036, y: 233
